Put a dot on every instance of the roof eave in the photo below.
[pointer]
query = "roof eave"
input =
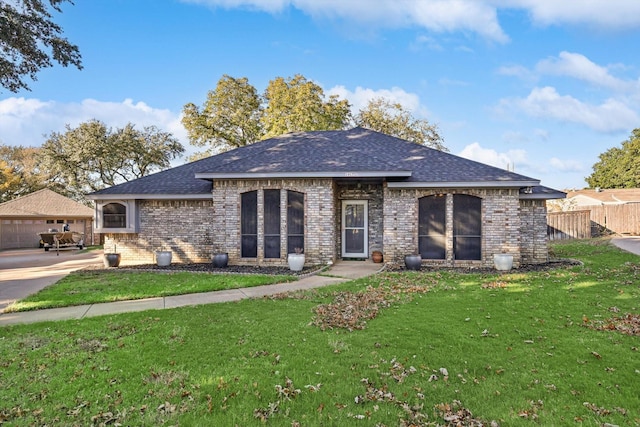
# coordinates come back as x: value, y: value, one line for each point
x: 464, y: 184
x: 130, y: 196
x: 315, y: 174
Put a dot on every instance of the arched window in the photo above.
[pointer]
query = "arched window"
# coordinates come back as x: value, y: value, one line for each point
x: 432, y: 228
x: 114, y: 215
x: 467, y: 227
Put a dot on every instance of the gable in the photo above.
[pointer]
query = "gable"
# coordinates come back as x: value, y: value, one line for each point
x: 44, y: 203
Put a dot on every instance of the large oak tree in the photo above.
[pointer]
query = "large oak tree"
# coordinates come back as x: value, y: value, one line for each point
x: 91, y: 156
x: 30, y: 41
x: 235, y: 115
x: 618, y: 167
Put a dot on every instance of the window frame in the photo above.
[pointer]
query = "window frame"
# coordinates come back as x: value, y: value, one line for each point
x: 467, y: 235
x: 426, y: 229
x: 131, y: 224
x: 249, y: 224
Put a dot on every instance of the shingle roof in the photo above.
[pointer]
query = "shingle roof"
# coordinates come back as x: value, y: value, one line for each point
x: 340, y: 153
x: 44, y: 203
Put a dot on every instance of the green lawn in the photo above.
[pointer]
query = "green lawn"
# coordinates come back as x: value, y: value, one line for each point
x: 427, y: 348
x: 91, y: 287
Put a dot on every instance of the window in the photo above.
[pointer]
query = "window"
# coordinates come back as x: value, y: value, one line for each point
x: 249, y: 225
x: 295, y: 221
x: 467, y: 227
x: 272, y: 223
x: 432, y: 227
x: 114, y: 215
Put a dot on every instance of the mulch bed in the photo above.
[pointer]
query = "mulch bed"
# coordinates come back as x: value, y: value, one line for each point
x: 273, y: 270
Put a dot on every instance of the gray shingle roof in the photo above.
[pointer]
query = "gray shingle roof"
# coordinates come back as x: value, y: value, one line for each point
x: 339, y: 153
x: 44, y: 203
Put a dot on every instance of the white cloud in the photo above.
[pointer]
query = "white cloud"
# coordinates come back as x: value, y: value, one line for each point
x: 582, y: 68
x: 474, y: 16
x: 361, y: 96
x: 435, y: 15
x: 609, y: 14
x: 566, y: 165
x: 29, y: 121
x: 489, y: 156
x: 609, y: 116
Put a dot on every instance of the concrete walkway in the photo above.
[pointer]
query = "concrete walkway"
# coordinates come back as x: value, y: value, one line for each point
x: 340, y: 272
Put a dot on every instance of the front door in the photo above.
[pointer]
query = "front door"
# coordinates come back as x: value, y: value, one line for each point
x: 355, y: 229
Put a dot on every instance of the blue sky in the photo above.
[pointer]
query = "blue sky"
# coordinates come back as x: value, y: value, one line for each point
x: 538, y: 86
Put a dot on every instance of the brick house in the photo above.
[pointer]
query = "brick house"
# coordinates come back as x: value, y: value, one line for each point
x: 336, y: 194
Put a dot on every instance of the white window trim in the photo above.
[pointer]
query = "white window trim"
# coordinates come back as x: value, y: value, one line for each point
x: 131, y: 215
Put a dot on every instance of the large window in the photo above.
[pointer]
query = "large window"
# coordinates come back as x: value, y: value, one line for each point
x: 295, y: 221
x: 249, y: 224
x: 467, y: 227
x: 272, y: 223
x: 114, y: 215
x: 432, y: 226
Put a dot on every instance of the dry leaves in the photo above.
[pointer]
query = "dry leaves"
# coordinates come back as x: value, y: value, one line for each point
x: 629, y: 324
x: 352, y: 310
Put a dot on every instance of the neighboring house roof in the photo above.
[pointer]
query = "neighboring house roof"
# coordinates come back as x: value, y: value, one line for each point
x: 44, y: 203
x: 347, y: 154
x: 614, y: 196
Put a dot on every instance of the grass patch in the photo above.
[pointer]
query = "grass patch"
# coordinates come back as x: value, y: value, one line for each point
x: 92, y: 287
x: 432, y: 348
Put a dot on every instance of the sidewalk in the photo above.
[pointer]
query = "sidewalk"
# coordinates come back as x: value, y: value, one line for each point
x: 340, y: 272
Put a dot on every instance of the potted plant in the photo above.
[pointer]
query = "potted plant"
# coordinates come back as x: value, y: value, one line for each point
x: 296, y: 260
x: 220, y: 259
x: 163, y: 258
x: 413, y: 261
x: 112, y: 259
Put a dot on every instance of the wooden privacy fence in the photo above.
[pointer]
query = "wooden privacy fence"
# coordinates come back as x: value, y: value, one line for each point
x: 621, y: 219
x: 598, y: 220
x: 568, y: 225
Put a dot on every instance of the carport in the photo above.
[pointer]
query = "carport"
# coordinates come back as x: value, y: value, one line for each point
x: 22, y: 219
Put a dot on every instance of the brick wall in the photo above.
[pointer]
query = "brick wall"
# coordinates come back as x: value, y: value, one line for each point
x: 501, y: 225
x: 181, y: 226
x: 319, y: 217
x: 534, y: 245
x: 194, y: 230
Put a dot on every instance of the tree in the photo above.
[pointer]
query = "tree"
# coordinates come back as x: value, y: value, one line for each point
x: 235, y: 115
x: 619, y: 167
x: 91, y: 157
x: 21, y: 163
x: 296, y: 104
x: 392, y: 119
x: 230, y: 117
x: 26, y: 29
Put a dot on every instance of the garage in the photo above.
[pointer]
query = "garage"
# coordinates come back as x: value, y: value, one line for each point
x: 22, y: 219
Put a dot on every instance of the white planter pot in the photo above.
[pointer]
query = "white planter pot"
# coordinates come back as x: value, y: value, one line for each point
x: 296, y: 262
x: 503, y: 262
x: 163, y: 258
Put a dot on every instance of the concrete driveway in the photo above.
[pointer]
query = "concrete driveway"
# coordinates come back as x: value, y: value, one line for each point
x: 628, y: 243
x: 26, y: 271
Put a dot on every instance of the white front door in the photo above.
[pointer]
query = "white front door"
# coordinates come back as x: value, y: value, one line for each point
x: 355, y: 229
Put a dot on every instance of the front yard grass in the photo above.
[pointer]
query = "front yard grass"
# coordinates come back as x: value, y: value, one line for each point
x: 423, y: 349
x: 92, y: 287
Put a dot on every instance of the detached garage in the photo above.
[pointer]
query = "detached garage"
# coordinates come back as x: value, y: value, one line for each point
x: 22, y: 219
